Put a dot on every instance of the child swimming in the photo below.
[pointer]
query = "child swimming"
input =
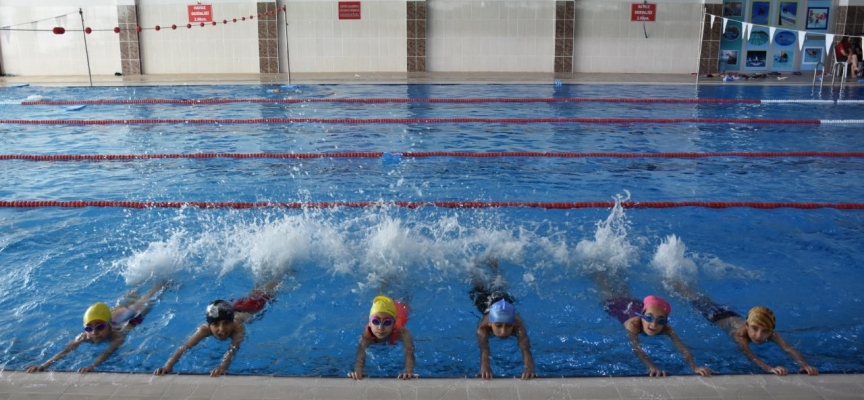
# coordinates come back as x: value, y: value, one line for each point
x: 103, y: 324
x: 757, y: 328
x: 649, y: 317
x: 387, y: 320
x: 225, y: 321
x: 500, y: 319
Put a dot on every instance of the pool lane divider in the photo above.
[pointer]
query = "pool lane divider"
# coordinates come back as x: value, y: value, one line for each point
x: 422, y: 204
x: 361, y: 121
x: 424, y: 154
x: 428, y: 100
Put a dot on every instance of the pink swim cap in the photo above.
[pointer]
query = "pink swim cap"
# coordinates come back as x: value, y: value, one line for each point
x: 654, y: 301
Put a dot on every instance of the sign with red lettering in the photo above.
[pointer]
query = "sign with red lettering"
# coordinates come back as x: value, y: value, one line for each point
x: 201, y: 13
x: 349, y: 10
x: 643, y: 12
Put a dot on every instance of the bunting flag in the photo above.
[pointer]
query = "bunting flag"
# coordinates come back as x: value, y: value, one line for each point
x: 829, y: 40
x: 801, y: 36
x: 748, y: 28
x: 5, y: 32
x: 722, y: 31
x: 712, y: 22
x: 34, y: 25
x: 771, y: 30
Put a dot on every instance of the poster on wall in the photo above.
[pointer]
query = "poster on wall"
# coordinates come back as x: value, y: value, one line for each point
x: 757, y: 49
x: 787, y: 14
x: 784, y: 51
x: 730, y: 58
x: 817, y: 18
x: 759, y: 12
x: 812, y: 54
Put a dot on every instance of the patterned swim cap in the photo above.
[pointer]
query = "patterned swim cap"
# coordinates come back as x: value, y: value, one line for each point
x: 219, y: 310
x: 761, y: 316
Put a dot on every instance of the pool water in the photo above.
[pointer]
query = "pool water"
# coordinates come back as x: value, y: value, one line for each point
x: 805, y: 264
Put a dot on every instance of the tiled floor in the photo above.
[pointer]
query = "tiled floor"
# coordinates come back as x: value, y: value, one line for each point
x: 69, y: 386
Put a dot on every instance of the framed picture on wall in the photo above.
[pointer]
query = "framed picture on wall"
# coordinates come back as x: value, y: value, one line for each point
x: 817, y: 18
x: 756, y: 59
x: 759, y: 12
x: 788, y: 14
x: 733, y: 9
x: 730, y: 57
x: 812, y: 55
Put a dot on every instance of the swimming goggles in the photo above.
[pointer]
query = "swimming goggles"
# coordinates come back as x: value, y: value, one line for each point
x: 98, y: 327
x: 379, y: 321
x: 649, y: 318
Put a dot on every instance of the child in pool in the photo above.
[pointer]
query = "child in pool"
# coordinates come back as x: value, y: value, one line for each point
x: 103, y: 324
x: 225, y: 321
x: 387, y: 320
x: 757, y: 328
x: 649, y: 317
x: 500, y: 319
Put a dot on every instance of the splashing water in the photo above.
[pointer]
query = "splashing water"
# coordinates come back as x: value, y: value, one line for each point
x: 669, y: 260
x: 610, y: 251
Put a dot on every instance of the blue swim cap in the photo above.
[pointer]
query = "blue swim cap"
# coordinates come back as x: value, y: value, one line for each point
x: 502, y: 311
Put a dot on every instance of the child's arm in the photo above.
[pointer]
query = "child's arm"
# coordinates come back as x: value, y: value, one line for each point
x: 805, y: 367
x: 685, y: 351
x: 236, y: 339
x: 360, y: 361
x: 744, y: 345
x: 632, y: 326
x: 118, y: 339
x: 525, y: 345
x: 483, y: 344
x: 202, y: 332
x: 408, y: 346
x: 69, y: 348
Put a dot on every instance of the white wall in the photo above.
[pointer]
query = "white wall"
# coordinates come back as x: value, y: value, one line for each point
x: 319, y: 42
x: 490, y: 35
x: 607, y: 41
x: 44, y: 53
x: 224, y: 48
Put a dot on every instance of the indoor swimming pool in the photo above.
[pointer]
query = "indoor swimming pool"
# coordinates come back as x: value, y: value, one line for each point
x: 349, y: 190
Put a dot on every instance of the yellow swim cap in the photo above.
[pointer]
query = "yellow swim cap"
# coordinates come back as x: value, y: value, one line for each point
x: 383, y: 304
x: 761, y: 316
x: 97, y: 312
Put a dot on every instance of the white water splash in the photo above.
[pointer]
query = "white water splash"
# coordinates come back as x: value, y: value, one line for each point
x: 669, y: 260
x: 610, y: 251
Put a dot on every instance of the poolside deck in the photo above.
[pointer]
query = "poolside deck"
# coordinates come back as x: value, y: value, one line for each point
x: 414, y: 78
x: 69, y: 385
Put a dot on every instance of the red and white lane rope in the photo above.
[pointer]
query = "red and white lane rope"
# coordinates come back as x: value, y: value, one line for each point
x: 423, y: 100
x: 231, y: 121
x: 420, y: 154
x: 420, y: 204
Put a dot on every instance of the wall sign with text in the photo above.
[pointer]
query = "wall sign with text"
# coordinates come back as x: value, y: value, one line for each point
x: 643, y: 12
x: 349, y: 10
x: 201, y: 13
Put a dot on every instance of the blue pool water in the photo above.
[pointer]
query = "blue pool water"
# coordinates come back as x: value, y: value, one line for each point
x: 804, y: 264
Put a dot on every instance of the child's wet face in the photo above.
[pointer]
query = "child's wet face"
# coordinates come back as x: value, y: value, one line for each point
x: 758, y: 334
x: 222, y: 329
x: 99, y: 330
x: 501, y: 329
x: 653, y: 328
x: 382, y: 329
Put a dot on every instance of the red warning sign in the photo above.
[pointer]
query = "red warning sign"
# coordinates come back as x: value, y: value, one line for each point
x: 645, y: 12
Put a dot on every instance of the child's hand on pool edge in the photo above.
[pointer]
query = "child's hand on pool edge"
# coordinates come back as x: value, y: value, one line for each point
x: 528, y: 374
x: 810, y: 370
x: 702, y: 371
x: 35, y: 368
x: 162, y: 371
x: 86, y: 369
x: 219, y: 371
x: 356, y: 375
